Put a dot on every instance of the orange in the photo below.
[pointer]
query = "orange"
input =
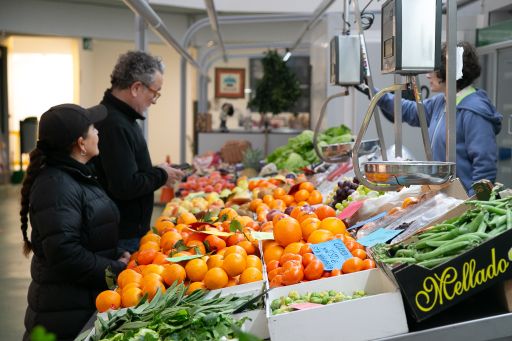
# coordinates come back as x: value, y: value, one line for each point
x: 254, y: 204
x: 368, y: 264
x: 215, y: 278
x: 319, y: 236
x: 150, y: 245
x: 301, y: 195
x: 160, y: 258
x: 262, y: 208
x: 196, y: 269
x: 279, y: 192
x: 173, y: 273
x: 247, y: 246
x: 324, y: 211
x: 163, y: 223
x: 128, y: 276
x: 308, y: 186
x: 303, y: 215
x: 315, y: 197
x: 227, y: 213
x: 186, y: 218
x: 146, y: 256
x: 309, y: 225
x: 235, y: 249
x: 232, y: 282
x: 131, y: 297
x: 234, y: 239
x: 254, y: 261
x: 150, y: 288
x: 277, y: 217
x: 278, y: 204
x: 295, y: 211
x: 288, y: 199
x: 150, y: 277
x: 169, y: 239
x: 153, y: 268
x: 196, y: 247
x: 215, y: 261
x: 150, y: 236
x: 250, y: 275
x: 268, y: 199
x: 272, y: 253
x: 293, y: 247
x: 287, y: 231
x: 129, y: 286
x: 353, y: 264
x: 108, y: 299
x: 195, y: 286
x: 272, y: 265
x: 234, y: 264
x: 334, y: 225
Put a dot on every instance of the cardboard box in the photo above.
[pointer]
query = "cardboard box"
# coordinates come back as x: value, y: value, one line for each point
x: 380, y: 314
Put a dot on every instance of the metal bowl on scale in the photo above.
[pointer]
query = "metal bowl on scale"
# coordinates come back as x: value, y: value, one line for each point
x: 406, y: 173
x: 341, y: 152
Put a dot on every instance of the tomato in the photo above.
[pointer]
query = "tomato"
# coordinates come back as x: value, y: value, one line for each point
x: 277, y: 281
x: 353, y: 264
x: 293, y: 275
x: 314, y: 270
x: 358, y: 253
x: 307, y: 258
x: 306, y: 248
x: 290, y: 256
x: 368, y: 264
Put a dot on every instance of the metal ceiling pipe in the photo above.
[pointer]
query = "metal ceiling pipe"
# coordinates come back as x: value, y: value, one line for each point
x: 316, y: 14
x: 214, y: 23
x: 145, y: 11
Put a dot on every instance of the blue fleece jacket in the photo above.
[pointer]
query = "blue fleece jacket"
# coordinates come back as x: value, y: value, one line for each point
x: 477, y: 124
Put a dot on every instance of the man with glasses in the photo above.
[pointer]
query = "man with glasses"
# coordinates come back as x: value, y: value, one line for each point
x: 124, y: 165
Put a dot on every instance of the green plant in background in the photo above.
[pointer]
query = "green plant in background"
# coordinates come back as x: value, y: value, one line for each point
x: 39, y: 333
x: 278, y: 90
x: 252, y: 158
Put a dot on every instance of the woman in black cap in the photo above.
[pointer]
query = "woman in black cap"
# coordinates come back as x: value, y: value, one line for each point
x: 74, y: 223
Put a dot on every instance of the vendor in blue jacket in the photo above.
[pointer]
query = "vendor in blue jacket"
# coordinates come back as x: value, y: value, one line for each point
x: 477, y: 121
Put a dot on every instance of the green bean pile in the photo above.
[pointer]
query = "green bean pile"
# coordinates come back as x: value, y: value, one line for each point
x: 451, y: 238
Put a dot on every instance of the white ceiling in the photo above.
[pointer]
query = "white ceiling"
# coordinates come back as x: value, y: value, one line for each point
x: 262, y: 6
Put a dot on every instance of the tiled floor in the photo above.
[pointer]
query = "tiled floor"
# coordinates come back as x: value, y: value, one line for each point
x: 14, y: 267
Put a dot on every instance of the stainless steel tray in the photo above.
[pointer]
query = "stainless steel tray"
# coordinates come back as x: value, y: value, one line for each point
x: 343, y: 151
x: 407, y: 173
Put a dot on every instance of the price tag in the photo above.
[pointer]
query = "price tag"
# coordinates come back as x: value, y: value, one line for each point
x: 350, y: 210
x: 263, y: 235
x: 303, y: 306
x: 332, y: 253
x: 379, y: 236
x: 361, y: 223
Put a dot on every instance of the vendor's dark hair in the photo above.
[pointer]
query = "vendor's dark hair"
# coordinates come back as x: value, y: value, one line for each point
x: 36, y: 163
x: 37, y: 160
x: 470, y: 69
x: 135, y: 66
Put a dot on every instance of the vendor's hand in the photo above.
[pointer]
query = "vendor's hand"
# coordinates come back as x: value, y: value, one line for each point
x: 173, y: 174
x: 125, y: 257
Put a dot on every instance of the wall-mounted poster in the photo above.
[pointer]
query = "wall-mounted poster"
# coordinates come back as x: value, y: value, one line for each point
x: 229, y: 83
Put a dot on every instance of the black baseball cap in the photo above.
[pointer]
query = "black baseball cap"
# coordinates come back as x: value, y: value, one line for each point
x: 63, y: 124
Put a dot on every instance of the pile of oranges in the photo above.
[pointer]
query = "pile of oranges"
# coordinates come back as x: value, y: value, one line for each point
x: 304, y: 194
x: 289, y: 258
x: 231, y: 260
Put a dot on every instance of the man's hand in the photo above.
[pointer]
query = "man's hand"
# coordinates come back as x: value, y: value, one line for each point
x: 173, y: 174
x: 125, y: 257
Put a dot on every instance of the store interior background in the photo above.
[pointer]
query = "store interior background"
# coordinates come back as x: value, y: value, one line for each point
x: 48, y: 64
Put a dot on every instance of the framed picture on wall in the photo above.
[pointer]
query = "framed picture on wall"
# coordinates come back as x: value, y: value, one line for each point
x: 229, y: 83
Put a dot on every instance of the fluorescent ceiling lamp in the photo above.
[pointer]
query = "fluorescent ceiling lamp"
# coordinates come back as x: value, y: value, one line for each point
x: 287, y: 56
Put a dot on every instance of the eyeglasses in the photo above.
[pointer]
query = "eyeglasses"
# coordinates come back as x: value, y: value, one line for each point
x: 156, y: 93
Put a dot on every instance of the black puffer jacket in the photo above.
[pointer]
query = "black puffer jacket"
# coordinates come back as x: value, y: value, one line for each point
x: 74, y: 237
x: 124, y: 167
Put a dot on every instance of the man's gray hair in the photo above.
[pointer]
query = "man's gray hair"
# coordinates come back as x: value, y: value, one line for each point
x: 135, y: 66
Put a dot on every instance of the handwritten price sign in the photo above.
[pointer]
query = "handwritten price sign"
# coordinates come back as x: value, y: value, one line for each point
x: 332, y: 253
